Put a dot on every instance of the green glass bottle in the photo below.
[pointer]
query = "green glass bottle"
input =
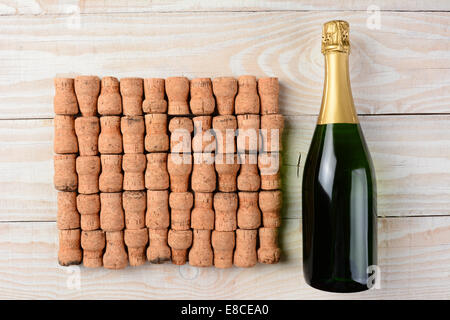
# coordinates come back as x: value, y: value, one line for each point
x: 339, y: 192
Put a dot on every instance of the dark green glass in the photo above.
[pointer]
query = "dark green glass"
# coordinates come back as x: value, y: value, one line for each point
x: 339, y: 210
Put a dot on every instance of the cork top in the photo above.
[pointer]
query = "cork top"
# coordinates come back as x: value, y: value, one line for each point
x: 335, y: 36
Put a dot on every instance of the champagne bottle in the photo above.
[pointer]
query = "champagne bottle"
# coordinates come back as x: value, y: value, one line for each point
x: 339, y: 192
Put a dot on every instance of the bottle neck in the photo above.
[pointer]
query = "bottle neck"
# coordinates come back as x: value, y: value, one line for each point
x: 337, y: 101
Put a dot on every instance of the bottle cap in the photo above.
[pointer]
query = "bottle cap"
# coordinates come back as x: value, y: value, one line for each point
x: 335, y: 36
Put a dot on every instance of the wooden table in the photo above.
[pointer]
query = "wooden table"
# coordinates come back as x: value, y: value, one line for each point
x: 401, y: 85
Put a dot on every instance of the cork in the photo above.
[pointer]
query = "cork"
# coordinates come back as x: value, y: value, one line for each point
x: 65, y: 177
x: 180, y: 138
x: 225, y: 206
x: 248, y: 214
x: 133, y: 131
x: 203, y: 140
x: 154, y: 96
x: 179, y: 241
x: 110, y: 100
x: 179, y: 167
x: 111, y: 211
x: 247, y: 100
x: 227, y: 167
x: 115, y: 256
x: 270, y: 203
x: 225, y: 89
x: 157, y: 216
x: 203, y: 175
x: 158, y: 250
x: 271, y: 132
x: 134, y: 205
x: 65, y: 139
x: 87, y: 89
x: 87, y: 130
x: 201, y: 254
x: 134, y: 165
x: 268, y: 89
x: 225, y: 129
x: 248, y: 136
x: 223, y: 243
x: 268, y: 252
x: 202, y: 100
x: 269, y: 169
x: 202, y: 216
x: 65, y: 100
x: 245, y: 254
x: 110, y: 138
x: 88, y: 169
x: 156, y: 175
x: 69, y: 252
x: 93, y: 243
x: 177, y: 89
x: 132, y: 91
x: 180, y: 204
x: 248, y: 178
x: 136, y: 241
x: 88, y: 206
x: 111, y: 178
x: 67, y: 216
x: 156, y: 138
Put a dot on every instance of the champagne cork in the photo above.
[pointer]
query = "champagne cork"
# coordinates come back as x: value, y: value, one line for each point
x: 87, y: 130
x: 110, y: 138
x: 88, y: 169
x: 247, y: 100
x: 269, y: 169
x: 201, y: 254
x: 157, y: 216
x: 154, y: 96
x: 225, y: 129
x: 202, y: 216
x: 134, y: 205
x: 156, y: 139
x: 179, y: 167
x: 248, y: 178
x: 179, y: 241
x: 245, y: 253
x: 93, y: 243
x: 248, y: 133
x: 202, y: 100
x: 67, y: 216
x: 270, y: 203
x: 65, y: 100
x: 225, y: 206
x: 158, y: 251
x: 223, y: 243
x: 203, y: 175
x: 271, y: 132
x: 180, y: 138
x: 136, y: 241
x: 115, y: 256
x: 111, y: 211
x: 133, y: 131
x: 132, y: 90
x: 65, y: 140
x: 111, y: 178
x: 180, y: 204
x: 134, y: 165
x: 268, y: 251
x: 203, y: 140
x: 65, y: 177
x: 88, y: 206
x: 69, y: 247
x: 87, y: 89
x: 177, y: 89
x: 156, y: 175
x: 268, y: 89
x: 227, y: 167
x: 225, y: 89
x: 110, y: 101
x: 248, y: 214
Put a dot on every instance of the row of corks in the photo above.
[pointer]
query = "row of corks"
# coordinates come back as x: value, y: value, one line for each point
x: 226, y: 215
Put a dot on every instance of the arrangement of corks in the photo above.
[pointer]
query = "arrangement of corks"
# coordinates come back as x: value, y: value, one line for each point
x: 167, y: 170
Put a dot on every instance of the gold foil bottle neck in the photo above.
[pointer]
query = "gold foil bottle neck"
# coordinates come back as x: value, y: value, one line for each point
x: 335, y: 36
